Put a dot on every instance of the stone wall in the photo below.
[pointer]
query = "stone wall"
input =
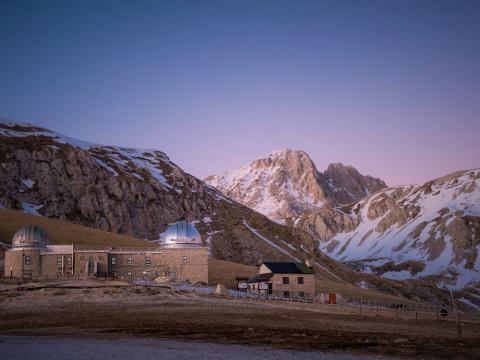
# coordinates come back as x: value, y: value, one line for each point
x: 293, y: 287
x: 181, y: 264
x: 22, y: 263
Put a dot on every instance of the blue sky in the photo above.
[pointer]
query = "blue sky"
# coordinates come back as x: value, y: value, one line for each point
x: 391, y: 87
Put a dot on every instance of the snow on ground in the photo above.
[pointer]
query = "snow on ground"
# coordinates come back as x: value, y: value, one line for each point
x: 271, y: 243
x: 28, y: 183
x: 397, y: 243
x: 261, y: 190
x: 108, y: 167
x: 147, y: 159
x: 31, y: 208
x: 398, y: 275
x: 327, y: 271
x: 217, y: 194
x: 469, y: 303
x: 137, y: 157
x: 289, y: 245
x: 363, y: 284
x: 33, y: 130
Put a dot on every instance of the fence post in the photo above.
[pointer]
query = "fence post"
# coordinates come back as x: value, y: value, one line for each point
x: 396, y: 312
x: 459, y: 325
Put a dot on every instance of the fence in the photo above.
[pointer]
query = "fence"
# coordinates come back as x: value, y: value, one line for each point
x: 345, y: 304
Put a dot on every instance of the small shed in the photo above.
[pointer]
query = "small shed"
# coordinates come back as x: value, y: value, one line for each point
x: 221, y: 290
x: 329, y: 298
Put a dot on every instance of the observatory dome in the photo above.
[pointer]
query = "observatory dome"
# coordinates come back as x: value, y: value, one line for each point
x: 181, y: 234
x: 30, y: 236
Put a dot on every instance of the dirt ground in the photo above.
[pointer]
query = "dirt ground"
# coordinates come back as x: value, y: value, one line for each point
x: 159, y: 312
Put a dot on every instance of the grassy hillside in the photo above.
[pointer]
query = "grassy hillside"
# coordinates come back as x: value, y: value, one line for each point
x: 224, y: 272
x: 64, y: 233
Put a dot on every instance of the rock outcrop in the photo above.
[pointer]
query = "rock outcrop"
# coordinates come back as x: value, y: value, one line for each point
x: 434, y: 226
x: 287, y: 184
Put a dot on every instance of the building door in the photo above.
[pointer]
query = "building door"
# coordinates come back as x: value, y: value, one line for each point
x: 332, y: 297
x: 90, y: 265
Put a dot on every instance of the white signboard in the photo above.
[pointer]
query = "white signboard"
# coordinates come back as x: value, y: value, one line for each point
x: 242, y: 285
x: 263, y: 286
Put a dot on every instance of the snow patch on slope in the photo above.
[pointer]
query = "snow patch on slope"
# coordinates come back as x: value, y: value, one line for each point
x: 271, y: 243
x: 436, y: 205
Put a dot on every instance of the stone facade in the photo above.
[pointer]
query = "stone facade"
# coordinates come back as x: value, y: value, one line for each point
x: 180, y: 257
x: 287, y: 280
x: 60, y: 261
x: 293, y: 285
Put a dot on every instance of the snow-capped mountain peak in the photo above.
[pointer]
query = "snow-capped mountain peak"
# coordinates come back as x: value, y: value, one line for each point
x: 286, y: 183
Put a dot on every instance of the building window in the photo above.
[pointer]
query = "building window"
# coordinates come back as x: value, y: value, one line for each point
x: 148, y: 261
x: 172, y: 274
x: 129, y: 261
x: 184, y: 260
x: 68, y: 261
x: 100, y: 258
x: 82, y: 257
x: 300, y: 280
x: 27, y: 260
x: 286, y: 280
x: 114, y: 260
x: 301, y: 294
x: 59, y: 261
x: 129, y: 273
x: 286, y: 294
x: 157, y: 273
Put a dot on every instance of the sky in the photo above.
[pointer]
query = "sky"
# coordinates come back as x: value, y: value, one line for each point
x: 390, y: 87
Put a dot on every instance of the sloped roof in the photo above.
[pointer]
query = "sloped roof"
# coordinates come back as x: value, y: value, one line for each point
x: 260, y: 278
x: 288, y: 268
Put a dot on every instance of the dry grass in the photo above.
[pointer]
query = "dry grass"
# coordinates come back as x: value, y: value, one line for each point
x: 64, y: 233
x: 350, y: 290
x: 224, y: 272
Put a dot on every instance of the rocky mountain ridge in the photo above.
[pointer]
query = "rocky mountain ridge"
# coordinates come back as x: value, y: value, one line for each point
x: 286, y: 184
x: 427, y: 231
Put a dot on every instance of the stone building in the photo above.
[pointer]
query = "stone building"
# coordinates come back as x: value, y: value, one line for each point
x: 180, y: 256
x: 284, y: 279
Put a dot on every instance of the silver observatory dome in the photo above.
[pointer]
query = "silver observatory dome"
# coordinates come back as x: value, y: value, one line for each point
x: 181, y: 234
x: 30, y: 236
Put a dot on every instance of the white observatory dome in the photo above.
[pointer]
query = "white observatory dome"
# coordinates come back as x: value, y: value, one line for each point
x: 30, y: 236
x: 180, y: 235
